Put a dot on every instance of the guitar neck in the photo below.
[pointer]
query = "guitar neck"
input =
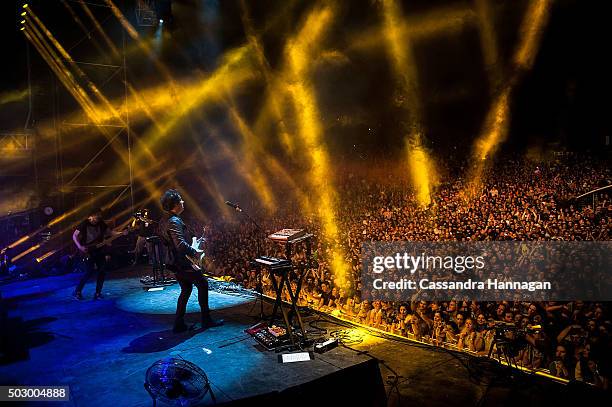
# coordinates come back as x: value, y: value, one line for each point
x: 105, y: 242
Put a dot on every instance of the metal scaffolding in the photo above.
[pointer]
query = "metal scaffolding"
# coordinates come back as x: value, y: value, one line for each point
x: 15, y: 142
x: 16, y: 154
x: 114, y: 139
x: 145, y: 13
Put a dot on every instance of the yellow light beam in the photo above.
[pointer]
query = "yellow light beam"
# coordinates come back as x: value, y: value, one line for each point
x: 19, y: 241
x: 531, y: 30
x: 92, y: 201
x: 144, y: 148
x: 61, y: 71
x: 275, y: 94
x: 299, y: 52
x: 146, y: 48
x: 53, y: 59
x: 250, y: 149
x: 234, y: 71
x: 255, y: 179
x: 419, y: 27
x: 54, y: 221
x: 13, y: 96
x: 46, y: 255
x: 25, y: 252
x: 90, y: 85
x: 495, y: 127
x: 400, y: 49
x: 488, y: 42
x: 106, y: 38
x: 274, y: 167
x: 79, y: 22
x: 211, y: 186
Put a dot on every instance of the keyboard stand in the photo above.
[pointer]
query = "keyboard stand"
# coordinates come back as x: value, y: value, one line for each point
x: 278, y: 303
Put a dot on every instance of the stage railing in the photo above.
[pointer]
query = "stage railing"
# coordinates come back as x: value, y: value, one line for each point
x: 335, y: 314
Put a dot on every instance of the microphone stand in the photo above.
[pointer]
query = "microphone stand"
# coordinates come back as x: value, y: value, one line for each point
x: 259, y: 232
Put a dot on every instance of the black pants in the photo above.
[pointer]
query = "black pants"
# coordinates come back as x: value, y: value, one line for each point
x: 187, y: 280
x: 95, y: 263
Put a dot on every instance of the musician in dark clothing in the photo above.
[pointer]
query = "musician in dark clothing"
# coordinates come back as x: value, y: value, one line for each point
x: 144, y: 229
x: 89, y: 233
x: 172, y: 231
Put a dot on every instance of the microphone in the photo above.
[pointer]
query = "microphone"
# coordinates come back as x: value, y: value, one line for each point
x: 233, y: 205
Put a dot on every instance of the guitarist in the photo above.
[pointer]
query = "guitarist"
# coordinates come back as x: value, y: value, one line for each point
x: 87, y: 235
x: 172, y: 231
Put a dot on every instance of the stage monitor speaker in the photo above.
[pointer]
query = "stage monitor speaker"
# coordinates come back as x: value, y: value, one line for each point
x: 358, y: 385
x: 265, y: 399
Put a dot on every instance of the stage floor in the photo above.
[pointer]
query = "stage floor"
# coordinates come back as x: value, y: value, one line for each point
x: 102, y: 349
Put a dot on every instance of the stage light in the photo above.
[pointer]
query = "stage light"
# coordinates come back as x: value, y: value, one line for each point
x: 22, y: 21
x: 25, y: 5
x: 23, y: 14
x: 22, y: 28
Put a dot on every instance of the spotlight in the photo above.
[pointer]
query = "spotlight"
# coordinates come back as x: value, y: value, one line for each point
x: 23, y: 14
x: 22, y: 28
x: 22, y: 21
x: 161, y: 21
x: 25, y: 5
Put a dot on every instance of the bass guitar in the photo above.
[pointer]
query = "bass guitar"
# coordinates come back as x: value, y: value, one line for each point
x: 106, y: 242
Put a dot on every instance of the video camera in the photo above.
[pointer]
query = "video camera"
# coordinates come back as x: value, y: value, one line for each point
x: 509, y: 330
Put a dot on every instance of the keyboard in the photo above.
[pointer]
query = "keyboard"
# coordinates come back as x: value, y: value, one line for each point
x: 273, y: 262
x: 287, y: 235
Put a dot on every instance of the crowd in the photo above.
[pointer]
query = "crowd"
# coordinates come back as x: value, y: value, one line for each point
x: 519, y: 200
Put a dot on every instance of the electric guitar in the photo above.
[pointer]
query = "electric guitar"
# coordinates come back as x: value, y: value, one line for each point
x: 95, y: 246
x: 196, y: 261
